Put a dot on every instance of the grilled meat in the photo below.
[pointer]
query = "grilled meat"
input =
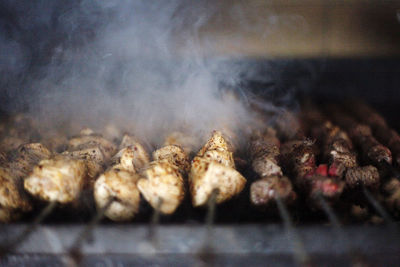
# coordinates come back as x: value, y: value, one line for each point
x: 174, y: 155
x: 88, y: 139
x: 118, y: 186
x: 366, y: 175
x: 163, y: 183
x: 119, y: 183
x: 25, y: 157
x: 207, y: 175
x: 213, y: 168
x: 336, y: 146
x: 265, y: 190
x: 187, y: 142
x: 13, y: 200
x: 93, y: 158
x: 265, y: 158
x: 57, y: 179
x: 132, y: 158
x: 298, y: 156
x: 392, y: 189
x: 264, y: 152
x: 379, y: 126
x: 9, y: 143
x: 216, y: 142
x: 371, y: 150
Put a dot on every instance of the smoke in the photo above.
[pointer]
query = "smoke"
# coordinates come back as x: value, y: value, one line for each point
x: 142, y: 66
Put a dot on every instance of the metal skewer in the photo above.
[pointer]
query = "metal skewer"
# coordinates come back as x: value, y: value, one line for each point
x: 10, y: 245
x: 354, y: 255
x: 300, y: 253
x: 211, y: 209
x: 155, y: 221
x: 378, y: 207
x: 206, y: 255
x: 74, y: 250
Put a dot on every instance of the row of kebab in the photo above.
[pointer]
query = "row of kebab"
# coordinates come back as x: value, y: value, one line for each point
x: 336, y: 150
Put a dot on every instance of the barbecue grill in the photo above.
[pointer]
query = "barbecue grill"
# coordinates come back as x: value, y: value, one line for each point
x: 357, y: 227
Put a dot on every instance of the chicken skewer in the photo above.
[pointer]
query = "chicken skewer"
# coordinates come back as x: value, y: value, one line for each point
x: 63, y: 177
x: 162, y: 184
x: 13, y: 199
x: 119, y: 182
x: 213, y: 168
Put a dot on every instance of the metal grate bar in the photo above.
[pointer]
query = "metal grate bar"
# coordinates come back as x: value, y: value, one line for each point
x: 300, y: 253
x: 10, y: 245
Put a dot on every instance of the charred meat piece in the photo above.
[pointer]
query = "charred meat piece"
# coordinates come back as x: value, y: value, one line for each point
x: 375, y: 152
x: 13, y: 200
x: 174, y: 155
x: 265, y: 190
x: 392, y: 200
x: 366, y: 175
x: 380, y: 128
x: 213, y: 168
x: 336, y: 146
x: 299, y: 157
x: 118, y: 186
x: 163, y: 183
x: 265, y: 158
x: 57, y: 179
x: 371, y: 150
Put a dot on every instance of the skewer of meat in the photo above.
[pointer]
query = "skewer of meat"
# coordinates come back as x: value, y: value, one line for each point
x: 162, y: 184
x: 264, y: 152
x: 336, y: 146
x: 338, y: 151
x: 62, y: 178
x: 95, y: 150
x: 383, y: 132
x: 118, y: 184
x: 372, y: 152
x: 13, y: 199
x: 213, y: 170
x: 298, y: 156
x: 392, y: 190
